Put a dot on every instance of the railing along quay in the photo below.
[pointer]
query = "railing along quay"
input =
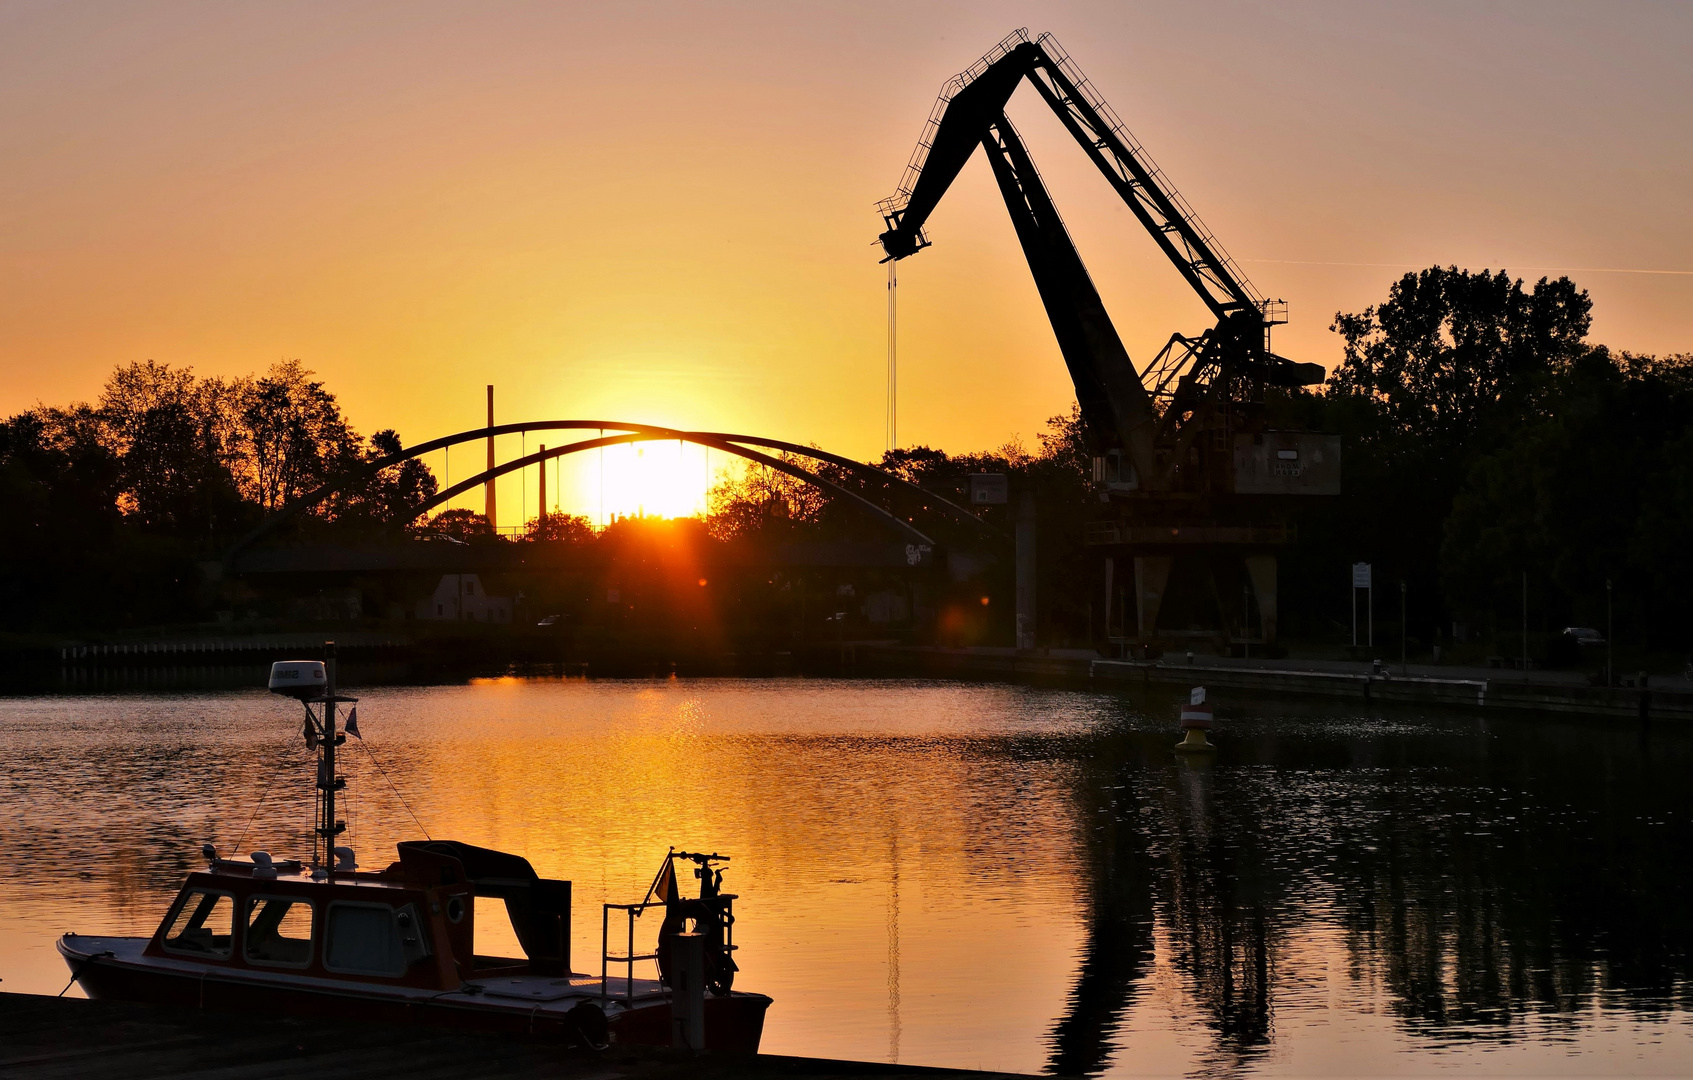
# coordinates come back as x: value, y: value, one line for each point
x: 1460, y: 689
x: 257, y: 647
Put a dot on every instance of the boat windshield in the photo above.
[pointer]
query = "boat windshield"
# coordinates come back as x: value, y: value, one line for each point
x: 279, y: 931
x: 204, y: 924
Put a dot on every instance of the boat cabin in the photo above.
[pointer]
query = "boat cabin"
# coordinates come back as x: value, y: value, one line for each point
x: 411, y: 924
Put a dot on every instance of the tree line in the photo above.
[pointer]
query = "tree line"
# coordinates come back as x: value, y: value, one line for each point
x: 1490, y: 445
x: 1485, y: 438
x: 111, y: 504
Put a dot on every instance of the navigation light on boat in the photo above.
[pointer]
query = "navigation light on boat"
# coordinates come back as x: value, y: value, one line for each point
x: 297, y: 678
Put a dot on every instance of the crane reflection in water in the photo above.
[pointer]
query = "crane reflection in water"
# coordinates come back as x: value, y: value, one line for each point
x: 1482, y: 879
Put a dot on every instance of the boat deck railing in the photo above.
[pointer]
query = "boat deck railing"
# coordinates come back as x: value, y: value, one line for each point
x: 629, y: 957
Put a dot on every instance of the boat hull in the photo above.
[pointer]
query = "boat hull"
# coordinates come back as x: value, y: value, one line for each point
x: 733, y: 1023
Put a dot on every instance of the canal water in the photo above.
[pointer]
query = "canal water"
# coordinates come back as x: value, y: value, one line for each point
x: 983, y: 876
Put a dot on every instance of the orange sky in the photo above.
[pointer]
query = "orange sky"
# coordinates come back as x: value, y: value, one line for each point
x: 663, y: 212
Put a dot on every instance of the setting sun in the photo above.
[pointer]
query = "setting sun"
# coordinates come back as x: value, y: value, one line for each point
x: 656, y: 479
x: 651, y: 479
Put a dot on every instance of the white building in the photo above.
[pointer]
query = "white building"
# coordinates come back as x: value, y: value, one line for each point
x: 461, y: 596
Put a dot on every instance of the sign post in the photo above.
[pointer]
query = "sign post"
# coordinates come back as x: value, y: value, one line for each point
x: 1361, y: 579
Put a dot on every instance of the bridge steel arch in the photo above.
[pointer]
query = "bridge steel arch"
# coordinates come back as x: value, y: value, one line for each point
x: 905, y: 528
x: 634, y: 433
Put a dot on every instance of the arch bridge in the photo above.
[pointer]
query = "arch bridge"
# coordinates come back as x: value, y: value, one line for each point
x: 747, y: 447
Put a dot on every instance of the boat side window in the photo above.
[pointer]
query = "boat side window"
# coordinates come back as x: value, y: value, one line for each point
x: 363, y: 939
x: 204, y: 924
x: 279, y: 931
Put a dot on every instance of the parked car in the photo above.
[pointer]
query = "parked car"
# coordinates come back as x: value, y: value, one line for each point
x: 1584, y: 635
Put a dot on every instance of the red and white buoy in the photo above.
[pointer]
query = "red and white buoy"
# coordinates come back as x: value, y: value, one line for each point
x: 1196, y: 721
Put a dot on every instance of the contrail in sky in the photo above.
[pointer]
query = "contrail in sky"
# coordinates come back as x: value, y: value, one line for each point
x: 1502, y: 265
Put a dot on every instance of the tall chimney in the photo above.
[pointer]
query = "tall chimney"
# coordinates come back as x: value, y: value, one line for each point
x: 543, y: 501
x: 490, y: 484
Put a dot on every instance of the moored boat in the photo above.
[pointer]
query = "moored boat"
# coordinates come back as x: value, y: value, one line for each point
x: 398, y: 944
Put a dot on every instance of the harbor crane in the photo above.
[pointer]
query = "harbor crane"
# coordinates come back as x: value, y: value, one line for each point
x: 1184, y: 458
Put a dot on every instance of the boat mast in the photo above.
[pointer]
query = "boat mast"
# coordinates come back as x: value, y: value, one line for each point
x: 328, y: 783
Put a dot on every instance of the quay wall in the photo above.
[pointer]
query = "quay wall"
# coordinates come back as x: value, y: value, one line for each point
x: 1074, y: 667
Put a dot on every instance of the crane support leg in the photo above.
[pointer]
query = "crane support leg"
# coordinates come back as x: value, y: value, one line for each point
x: 1225, y: 611
x: 1152, y: 573
x: 1110, y: 585
x: 1026, y: 570
x: 1262, y: 570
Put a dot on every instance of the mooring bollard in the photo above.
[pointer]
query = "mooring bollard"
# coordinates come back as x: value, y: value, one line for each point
x: 1196, y: 721
x: 687, y: 991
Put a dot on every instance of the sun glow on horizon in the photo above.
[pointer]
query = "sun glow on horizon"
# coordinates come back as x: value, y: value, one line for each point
x: 646, y: 479
x: 661, y: 478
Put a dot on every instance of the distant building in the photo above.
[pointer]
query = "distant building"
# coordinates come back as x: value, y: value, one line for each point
x: 885, y: 607
x: 462, y: 597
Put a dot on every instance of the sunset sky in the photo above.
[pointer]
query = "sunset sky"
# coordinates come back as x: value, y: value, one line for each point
x: 663, y: 212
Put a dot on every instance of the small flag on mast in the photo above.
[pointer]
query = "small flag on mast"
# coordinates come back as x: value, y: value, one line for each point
x: 664, y: 885
x: 352, y: 727
x: 310, y: 732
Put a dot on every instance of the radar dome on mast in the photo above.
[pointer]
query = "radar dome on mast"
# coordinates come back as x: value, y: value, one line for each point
x: 297, y: 678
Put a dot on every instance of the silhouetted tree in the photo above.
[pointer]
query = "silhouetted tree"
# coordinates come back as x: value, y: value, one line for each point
x: 390, y: 496
x: 560, y: 529
x: 1444, y: 371
x: 109, y: 506
x: 761, y: 501
x: 464, y: 525
x: 178, y: 440
x: 1596, y: 488
x: 297, y: 436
